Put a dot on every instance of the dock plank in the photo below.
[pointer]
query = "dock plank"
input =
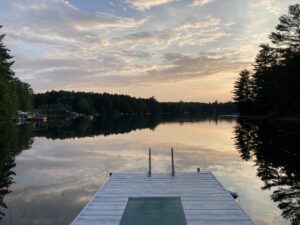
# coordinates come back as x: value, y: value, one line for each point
x: 204, y: 199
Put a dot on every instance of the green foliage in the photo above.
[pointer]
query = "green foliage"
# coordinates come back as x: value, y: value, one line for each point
x: 14, y: 94
x: 275, y: 82
x: 24, y: 95
x: 7, y: 103
x: 83, y: 106
x: 243, y: 92
x: 111, y: 104
x: 5, y: 95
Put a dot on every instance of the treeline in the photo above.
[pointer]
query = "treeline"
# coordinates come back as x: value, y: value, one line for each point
x: 273, y: 88
x: 89, y: 103
x: 214, y: 108
x: 14, y: 94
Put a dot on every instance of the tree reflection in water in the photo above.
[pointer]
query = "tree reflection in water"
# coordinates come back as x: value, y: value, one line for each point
x: 64, y: 128
x: 274, y: 147
x: 13, y: 140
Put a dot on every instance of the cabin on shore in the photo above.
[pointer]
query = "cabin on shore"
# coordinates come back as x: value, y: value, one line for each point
x: 34, y: 115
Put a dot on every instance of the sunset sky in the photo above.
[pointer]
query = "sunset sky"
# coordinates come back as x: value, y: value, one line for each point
x: 190, y: 50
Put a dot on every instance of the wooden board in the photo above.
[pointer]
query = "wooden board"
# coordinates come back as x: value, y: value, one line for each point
x: 204, y: 199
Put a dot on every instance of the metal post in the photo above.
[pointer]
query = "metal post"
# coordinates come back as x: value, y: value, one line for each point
x: 172, y: 155
x: 149, y: 172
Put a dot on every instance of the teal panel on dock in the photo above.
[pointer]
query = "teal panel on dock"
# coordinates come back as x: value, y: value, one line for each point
x: 153, y: 211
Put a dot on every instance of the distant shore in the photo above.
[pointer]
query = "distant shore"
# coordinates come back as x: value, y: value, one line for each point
x: 281, y: 118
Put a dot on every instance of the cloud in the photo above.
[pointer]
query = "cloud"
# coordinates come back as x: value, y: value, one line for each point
x: 143, y: 5
x: 272, y: 6
x: 58, y: 45
x: 199, y: 32
x: 193, y: 32
x: 202, y: 2
x: 106, y: 56
x: 199, y: 24
x: 113, y: 72
x: 185, y: 67
x: 39, y: 21
x: 110, y: 52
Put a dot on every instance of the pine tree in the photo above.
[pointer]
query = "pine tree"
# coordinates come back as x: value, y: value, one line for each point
x: 286, y: 80
x: 287, y: 34
x: 14, y: 94
x: 275, y: 81
x: 8, y: 104
x: 243, y: 92
x: 265, y: 62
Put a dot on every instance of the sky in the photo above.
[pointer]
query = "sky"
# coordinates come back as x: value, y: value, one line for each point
x: 190, y: 50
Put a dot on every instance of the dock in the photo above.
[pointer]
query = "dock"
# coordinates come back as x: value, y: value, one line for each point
x: 188, y: 198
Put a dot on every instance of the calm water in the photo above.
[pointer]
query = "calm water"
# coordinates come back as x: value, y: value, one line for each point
x: 48, y: 174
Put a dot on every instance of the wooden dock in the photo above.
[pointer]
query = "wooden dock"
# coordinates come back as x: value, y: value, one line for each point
x: 204, y: 200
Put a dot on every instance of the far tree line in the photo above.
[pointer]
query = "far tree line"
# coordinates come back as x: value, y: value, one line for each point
x: 89, y: 103
x: 273, y: 87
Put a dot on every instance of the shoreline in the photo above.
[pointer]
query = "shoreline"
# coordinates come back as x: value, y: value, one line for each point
x: 271, y: 118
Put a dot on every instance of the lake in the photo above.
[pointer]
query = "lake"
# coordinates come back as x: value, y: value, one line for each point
x: 50, y: 171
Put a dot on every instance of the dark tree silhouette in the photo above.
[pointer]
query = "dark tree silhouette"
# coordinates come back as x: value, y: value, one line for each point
x: 89, y: 103
x: 275, y: 81
x: 65, y: 128
x: 13, y: 140
x: 14, y: 94
x: 274, y: 147
x: 243, y: 92
x: 287, y: 34
x: 7, y: 97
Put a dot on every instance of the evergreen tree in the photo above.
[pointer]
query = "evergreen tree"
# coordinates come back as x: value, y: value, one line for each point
x: 8, y: 103
x: 286, y: 39
x: 24, y: 95
x: 265, y: 62
x: 14, y: 94
x: 275, y: 81
x: 287, y: 34
x: 243, y: 92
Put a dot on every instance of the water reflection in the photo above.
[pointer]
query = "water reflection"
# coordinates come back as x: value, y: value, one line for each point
x: 70, y: 159
x: 13, y: 140
x: 274, y: 147
x: 75, y: 128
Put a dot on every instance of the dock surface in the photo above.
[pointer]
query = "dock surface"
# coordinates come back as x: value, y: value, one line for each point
x: 204, y: 200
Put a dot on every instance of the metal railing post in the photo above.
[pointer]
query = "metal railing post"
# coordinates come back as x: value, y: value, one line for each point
x: 173, y: 168
x: 149, y: 172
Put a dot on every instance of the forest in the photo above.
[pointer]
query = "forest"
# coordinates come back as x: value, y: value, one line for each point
x: 89, y: 103
x: 272, y: 88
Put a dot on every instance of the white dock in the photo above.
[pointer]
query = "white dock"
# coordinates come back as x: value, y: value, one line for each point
x: 205, y: 201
